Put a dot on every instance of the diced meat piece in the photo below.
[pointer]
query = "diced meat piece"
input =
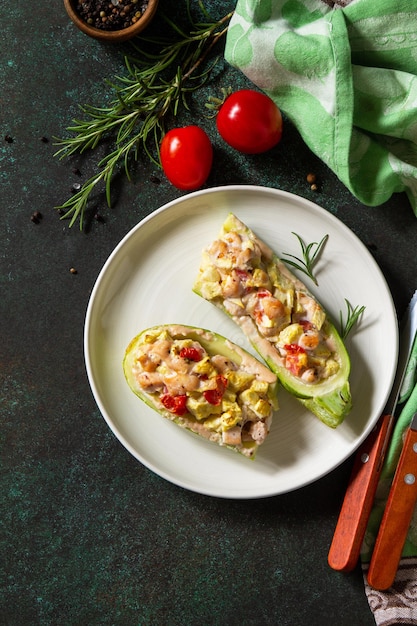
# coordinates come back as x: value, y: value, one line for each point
x: 232, y: 436
x: 258, y: 431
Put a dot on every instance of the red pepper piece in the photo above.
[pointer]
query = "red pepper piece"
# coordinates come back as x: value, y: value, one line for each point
x: 293, y: 348
x: 243, y: 275
x: 214, y: 396
x: 175, y: 404
x: 190, y: 353
x: 264, y: 293
x: 293, y: 360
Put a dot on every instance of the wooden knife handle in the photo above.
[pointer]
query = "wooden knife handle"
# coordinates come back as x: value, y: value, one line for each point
x: 357, y: 504
x: 397, y: 517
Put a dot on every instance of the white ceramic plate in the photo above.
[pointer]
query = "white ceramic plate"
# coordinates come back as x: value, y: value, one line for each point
x: 147, y: 280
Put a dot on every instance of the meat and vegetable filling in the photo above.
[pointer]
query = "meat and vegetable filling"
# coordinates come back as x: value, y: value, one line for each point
x: 236, y: 270
x: 212, y: 392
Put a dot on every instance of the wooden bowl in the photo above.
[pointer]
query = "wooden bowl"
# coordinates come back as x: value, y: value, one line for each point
x: 112, y: 36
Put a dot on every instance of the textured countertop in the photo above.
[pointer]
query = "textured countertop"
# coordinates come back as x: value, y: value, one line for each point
x: 89, y: 535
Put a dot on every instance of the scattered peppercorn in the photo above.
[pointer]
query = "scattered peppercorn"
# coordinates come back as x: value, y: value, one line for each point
x: 8, y: 138
x: 312, y: 181
x: 44, y: 139
x: 111, y: 15
x: 73, y: 270
x: 99, y: 218
x: 155, y: 180
x: 36, y: 217
x: 76, y: 171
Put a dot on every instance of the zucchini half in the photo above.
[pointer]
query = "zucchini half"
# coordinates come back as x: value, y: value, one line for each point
x: 284, y: 322
x: 204, y: 383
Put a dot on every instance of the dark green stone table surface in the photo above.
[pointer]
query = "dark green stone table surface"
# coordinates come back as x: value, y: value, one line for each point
x: 88, y: 534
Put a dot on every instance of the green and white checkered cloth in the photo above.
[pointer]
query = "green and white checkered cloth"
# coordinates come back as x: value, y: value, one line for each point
x: 345, y: 73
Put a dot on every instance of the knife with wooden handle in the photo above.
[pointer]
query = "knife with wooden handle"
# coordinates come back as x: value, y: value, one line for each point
x: 397, y: 516
x: 357, y: 504
x: 354, y: 515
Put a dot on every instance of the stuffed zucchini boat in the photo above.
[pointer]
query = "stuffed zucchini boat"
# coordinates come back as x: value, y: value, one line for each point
x: 288, y: 327
x: 204, y: 383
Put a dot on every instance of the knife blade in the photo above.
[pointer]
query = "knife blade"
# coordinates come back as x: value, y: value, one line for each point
x: 397, y: 515
x: 357, y: 504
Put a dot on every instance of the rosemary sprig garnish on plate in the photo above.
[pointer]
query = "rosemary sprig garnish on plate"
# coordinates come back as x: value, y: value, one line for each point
x: 310, y: 254
x: 156, y: 86
x: 353, y: 315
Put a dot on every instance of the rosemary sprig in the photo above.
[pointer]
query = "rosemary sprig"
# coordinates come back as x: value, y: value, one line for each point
x: 353, y: 315
x: 157, y: 84
x: 310, y: 254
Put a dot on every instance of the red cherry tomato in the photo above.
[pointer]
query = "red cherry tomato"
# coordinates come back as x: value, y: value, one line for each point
x: 249, y: 121
x: 186, y: 157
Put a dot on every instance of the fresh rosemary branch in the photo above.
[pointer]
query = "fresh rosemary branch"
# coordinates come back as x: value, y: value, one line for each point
x: 353, y: 315
x: 306, y: 265
x: 310, y: 254
x: 157, y: 84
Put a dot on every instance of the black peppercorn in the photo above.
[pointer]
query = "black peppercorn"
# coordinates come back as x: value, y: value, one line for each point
x: 36, y: 217
x: 114, y: 15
